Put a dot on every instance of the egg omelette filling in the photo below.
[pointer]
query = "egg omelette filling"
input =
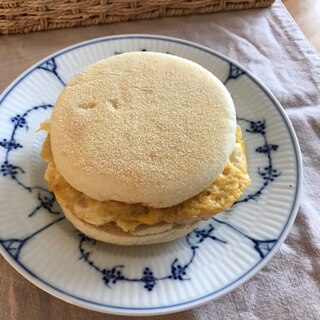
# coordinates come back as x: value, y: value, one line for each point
x: 219, y: 196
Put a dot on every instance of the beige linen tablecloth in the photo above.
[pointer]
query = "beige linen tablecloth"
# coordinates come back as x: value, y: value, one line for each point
x: 269, y: 44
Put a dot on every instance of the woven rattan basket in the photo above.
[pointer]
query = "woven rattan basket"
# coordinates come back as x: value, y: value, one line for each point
x: 23, y: 16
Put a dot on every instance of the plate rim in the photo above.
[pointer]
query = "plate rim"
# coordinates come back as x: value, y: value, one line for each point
x: 84, y: 303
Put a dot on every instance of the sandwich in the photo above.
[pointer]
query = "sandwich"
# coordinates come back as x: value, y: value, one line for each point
x: 141, y: 147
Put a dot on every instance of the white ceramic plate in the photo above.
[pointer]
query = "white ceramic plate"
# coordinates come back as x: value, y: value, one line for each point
x: 212, y: 260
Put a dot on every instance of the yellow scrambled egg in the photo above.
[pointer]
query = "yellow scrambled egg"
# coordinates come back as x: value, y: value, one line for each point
x: 220, y: 196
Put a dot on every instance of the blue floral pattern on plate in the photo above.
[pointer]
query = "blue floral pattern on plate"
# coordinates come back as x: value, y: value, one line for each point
x: 179, y: 268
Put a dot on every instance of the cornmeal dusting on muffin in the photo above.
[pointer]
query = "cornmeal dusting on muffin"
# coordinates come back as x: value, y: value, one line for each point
x: 143, y: 127
x: 219, y: 196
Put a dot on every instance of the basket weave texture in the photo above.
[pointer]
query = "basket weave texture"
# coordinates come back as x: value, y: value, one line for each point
x: 23, y: 16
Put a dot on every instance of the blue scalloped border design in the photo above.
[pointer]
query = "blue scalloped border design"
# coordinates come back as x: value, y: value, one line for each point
x: 114, y: 274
